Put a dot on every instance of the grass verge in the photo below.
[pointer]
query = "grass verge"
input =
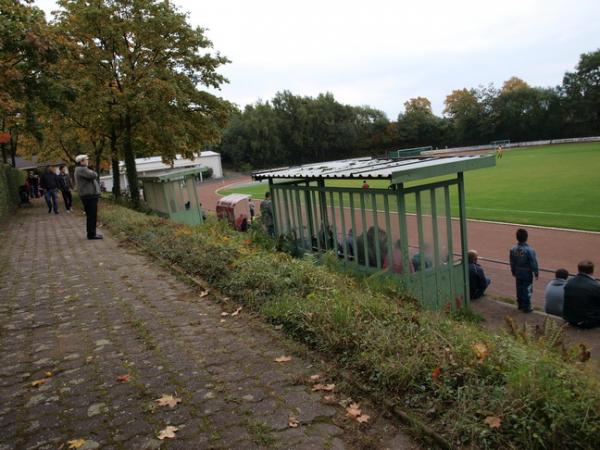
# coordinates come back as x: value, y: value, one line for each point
x: 474, y: 388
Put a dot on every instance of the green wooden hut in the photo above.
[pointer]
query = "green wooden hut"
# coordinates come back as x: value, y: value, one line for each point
x: 409, y: 222
x: 174, y: 194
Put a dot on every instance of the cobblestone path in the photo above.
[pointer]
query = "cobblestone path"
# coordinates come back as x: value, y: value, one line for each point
x: 76, y: 316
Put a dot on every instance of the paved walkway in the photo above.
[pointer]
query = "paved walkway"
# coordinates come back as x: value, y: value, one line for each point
x: 91, y: 334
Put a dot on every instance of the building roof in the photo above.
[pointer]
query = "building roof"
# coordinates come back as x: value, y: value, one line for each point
x: 172, y: 174
x: 395, y: 170
x: 156, y: 162
x: 33, y: 163
x: 232, y: 199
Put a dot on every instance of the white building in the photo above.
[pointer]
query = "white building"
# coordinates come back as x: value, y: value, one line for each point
x: 146, y: 166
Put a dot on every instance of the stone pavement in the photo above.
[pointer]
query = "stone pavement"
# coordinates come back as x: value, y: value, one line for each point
x: 92, y: 333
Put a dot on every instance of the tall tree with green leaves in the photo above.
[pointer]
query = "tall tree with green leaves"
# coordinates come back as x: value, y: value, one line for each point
x: 581, y: 93
x: 154, y: 64
x: 26, y: 50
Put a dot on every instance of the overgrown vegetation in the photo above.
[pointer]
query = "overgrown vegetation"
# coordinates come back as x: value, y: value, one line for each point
x: 517, y: 390
x: 10, y: 180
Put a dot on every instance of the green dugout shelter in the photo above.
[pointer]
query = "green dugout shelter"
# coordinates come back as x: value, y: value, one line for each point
x: 174, y: 194
x: 411, y: 223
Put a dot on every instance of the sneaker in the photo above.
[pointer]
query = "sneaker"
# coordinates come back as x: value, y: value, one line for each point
x: 98, y: 236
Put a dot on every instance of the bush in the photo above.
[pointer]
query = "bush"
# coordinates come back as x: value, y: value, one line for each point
x: 10, y: 180
x: 475, y: 388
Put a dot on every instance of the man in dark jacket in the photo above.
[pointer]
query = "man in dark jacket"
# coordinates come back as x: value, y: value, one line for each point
x: 86, y: 181
x: 50, y: 183
x: 65, y: 188
x: 478, y: 282
x: 524, y: 266
x: 582, y: 298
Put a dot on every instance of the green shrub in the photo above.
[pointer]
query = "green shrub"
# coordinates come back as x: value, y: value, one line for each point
x: 445, y: 369
x: 10, y: 180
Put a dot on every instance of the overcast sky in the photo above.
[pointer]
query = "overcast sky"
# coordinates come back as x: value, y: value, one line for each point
x: 381, y: 53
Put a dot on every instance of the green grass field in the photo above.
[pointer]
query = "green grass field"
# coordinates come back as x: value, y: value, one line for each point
x: 556, y: 186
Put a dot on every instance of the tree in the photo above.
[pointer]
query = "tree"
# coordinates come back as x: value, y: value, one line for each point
x: 513, y: 84
x: 26, y: 51
x: 466, y: 113
x: 145, y: 53
x: 581, y: 93
x: 418, y: 126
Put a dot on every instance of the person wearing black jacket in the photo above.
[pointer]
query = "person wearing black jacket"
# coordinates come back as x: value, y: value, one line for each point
x: 582, y: 298
x: 65, y: 188
x: 50, y: 182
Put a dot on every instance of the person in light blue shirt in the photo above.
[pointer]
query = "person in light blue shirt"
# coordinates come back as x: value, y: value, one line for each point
x: 524, y: 266
x: 554, y: 295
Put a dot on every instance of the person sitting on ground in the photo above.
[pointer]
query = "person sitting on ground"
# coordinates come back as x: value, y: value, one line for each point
x: 582, y: 298
x: 422, y: 258
x: 397, y: 263
x: 478, y: 282
x: 554, y: 296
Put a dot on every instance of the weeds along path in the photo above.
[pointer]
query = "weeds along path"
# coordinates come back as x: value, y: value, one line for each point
x: 92, y: 334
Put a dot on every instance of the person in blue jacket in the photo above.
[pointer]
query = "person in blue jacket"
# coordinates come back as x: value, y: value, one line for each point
x: 524, y: 266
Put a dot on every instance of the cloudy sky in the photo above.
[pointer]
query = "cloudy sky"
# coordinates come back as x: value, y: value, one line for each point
x: 381, y: 53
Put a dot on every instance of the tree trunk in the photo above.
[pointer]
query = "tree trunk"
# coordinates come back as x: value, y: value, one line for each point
x: 114, y: 155
x: 132, y: 179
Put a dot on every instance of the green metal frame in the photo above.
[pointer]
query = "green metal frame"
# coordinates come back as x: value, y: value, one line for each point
x: 321, y: 218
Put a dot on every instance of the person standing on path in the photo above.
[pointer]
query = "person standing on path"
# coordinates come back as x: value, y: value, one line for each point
x: 266, y: 212
x: 65, y: 188
x: 86, y: 181
x: 50, y: 182
x: 524, y: 266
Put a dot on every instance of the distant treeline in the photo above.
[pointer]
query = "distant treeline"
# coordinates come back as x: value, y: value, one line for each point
x: 292, y: 129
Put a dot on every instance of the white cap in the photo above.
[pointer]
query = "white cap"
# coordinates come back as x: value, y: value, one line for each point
x: 80, y: 158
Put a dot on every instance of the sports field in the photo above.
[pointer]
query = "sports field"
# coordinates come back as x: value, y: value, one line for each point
x: 556, y: 185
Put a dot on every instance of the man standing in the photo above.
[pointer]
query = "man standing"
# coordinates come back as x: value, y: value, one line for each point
x: 582, y: 298
x: 266, y: 212
x: 478, y: 282
x: 65, y: 188
x: 50, y: 183
x: 524, y: 266
x: 34, y: 182
x: 86, y: 181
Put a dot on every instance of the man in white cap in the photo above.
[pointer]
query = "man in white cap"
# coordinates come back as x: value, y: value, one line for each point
x: 86, y: 181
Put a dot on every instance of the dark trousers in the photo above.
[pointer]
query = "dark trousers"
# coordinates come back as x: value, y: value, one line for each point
x: 51, y: 197
x: 90, y: 205
x: 524, y: 291
x: 68, y: 198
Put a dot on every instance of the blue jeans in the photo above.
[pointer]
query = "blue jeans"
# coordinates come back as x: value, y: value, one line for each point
x: 524, y: 291
x: 51, y: 197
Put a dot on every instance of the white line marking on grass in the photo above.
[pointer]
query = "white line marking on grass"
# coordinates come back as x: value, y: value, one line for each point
x: 535, y: 212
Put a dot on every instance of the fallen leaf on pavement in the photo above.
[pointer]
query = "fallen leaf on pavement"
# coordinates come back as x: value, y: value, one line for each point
x: 353, y: 410
x: 435, y: 373
x: 236, y: 312
x: 76, y: 443
x: 278, y: 327
x: 493, y: 421
x: 204, y: 294
x: 123, y: 378
x: 38, y: 383
x: 293, y: 422
x: 48, y: 374
x: 363, y: 418
x: 315, y: 377
x: 323, y: 387
x: 168, y: 400
x: 224, y: 313
x: 168, y: 432
x: 281, y: 359
x: 329, y: 399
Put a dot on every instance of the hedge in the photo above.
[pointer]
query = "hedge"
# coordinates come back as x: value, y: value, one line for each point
x: 10, y: 180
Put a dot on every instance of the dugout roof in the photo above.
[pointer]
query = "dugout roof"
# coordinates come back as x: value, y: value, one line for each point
x: 395, y: 170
